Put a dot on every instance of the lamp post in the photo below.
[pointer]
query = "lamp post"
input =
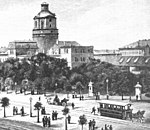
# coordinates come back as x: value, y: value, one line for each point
x: 107, y: 89
x: 30, y: 106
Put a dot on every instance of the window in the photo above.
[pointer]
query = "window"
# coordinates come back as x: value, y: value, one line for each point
x: 83, y: 58
x: 76, y: 51
x: 76, y: 59
x: 65, y: 50
x: 50, y: 20
x: 146, y: 61
x: 50, y: 25
x: 136, y: 59
x: 42, y: 24
x: 128, y: 60
x: 11, y: 52
x: 121, y: 60
x: 35, y: 24
x: 82, y: 50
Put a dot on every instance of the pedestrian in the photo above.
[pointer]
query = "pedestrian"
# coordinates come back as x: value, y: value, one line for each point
x: 43, y: 120
x: 72, y: 105
x: 82, y: 97
x: 53, y: 114
x: 110, y: 127
x: 49, y: 121
x: 93, y: 110
x: 46, y: 121
x: 14, y: 110
x: 39, y: 98
x: 56, y: 115
x: 69, y: 119
x: 106, y: 127
x: 93, y: 123
x: 136, y: 97
x: 90, y: 125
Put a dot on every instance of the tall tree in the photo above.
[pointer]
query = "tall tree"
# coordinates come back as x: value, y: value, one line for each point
x: 5, y: 103
x: 38, y: 106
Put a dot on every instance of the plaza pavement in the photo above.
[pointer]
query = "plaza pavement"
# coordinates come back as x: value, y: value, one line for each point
x: 81, y: 107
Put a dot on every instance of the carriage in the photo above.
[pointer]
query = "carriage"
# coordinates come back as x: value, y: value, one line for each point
x: 115, y: 109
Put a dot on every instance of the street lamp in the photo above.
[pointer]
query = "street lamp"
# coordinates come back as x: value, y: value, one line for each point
x: 107, y: 89
x: 30, y: 106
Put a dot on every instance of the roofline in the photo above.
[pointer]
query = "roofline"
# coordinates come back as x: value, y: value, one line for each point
x: 114, y: 102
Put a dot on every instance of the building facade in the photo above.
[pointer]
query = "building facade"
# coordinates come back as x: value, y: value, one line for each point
x: 3, y: 54
x: 45, y: 31
x: 22, y: 49
x: 76, y: 55
x: 110, y: 56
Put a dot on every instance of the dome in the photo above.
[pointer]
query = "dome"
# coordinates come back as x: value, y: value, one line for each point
x: 44, y: 11
x: 43, y: 14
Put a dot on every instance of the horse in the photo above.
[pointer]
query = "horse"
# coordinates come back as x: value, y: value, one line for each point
x: 139, y: 116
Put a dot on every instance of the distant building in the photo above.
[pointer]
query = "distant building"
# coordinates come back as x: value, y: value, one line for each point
x: 45, y: 32
x: 3, y: 54
x: 136, y: 58
x: 22, y: 49
x: 55, y: 49
x: 110, y: 56
x: 76, y: 55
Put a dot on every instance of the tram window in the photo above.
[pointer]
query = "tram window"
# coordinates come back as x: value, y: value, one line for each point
x: 101, y: 105
x: 106, y: 106
x: 111, y: 107
x: 115, y: 107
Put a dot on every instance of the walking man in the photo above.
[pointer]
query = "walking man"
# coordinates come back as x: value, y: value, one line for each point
x: 72, y: 105
x: 93, y: 123
x: 49, y: 121
x: 90, y: 125
x: 93, y: 110
x: 69, y: 119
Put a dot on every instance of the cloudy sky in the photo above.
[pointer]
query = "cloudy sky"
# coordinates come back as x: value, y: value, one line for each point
x: 105, y: 24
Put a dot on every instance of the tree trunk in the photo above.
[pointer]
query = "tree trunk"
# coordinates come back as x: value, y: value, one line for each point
x: 122, y: 95
x: 66, y: 123
x: 4, y: 112
x: 82, y: 127
x: 38, y: 116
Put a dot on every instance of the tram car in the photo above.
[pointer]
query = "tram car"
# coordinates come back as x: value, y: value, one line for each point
x: 115, y: 109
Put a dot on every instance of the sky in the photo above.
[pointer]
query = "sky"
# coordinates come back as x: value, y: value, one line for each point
x: 104, y: 24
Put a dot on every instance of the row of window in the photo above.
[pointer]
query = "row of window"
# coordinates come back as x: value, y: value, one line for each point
x: 134, y: 61
x: 42, y: 24
x: 79, y: 59
x: 83, y: 51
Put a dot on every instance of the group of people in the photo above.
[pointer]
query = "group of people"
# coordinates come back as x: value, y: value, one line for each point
x: 107, y: 127
x: 81, y: 97
x: 46, y: 121
x: 92, y: 124
x: 54, y: 115
x: 15, y: 110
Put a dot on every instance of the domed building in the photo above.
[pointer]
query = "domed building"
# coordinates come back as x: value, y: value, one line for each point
x: 45, y: 32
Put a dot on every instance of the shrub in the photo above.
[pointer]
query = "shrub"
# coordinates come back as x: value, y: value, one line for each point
x: 147, y: 94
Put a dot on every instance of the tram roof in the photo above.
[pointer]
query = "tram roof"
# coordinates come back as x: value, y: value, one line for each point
x: 114, y: 102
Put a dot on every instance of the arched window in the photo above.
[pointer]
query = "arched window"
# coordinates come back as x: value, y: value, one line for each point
x: 42, y: 24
